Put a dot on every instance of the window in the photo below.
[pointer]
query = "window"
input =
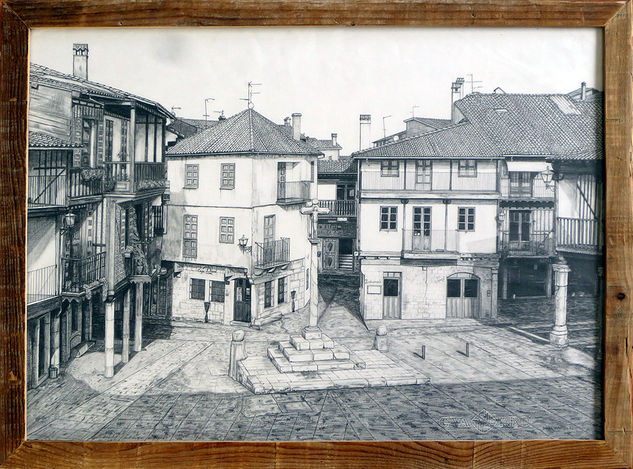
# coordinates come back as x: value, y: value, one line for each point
x: 228, y: 176
x: 216, y: 292
x: 467, y: 168
x: 123, y: 140
x: 471, y: 288
x: 388, y: 218
x: 88, y: 142
x: 159, y: 220
x: 453, y: 288
x: 521, y: 184
x: 466, y: 219
x: 227, y: 230
x: 421, y: 221
x: 307, y: 278
x: 196, y: 291
x: 389, y: 168
x: 109, y: 139
x: 423, y: 172
x: 345, y: 192
x: 311, y: 171
x: 268, y: 294
x: 190, y: 236
x: 191, y: 176
x: 281, y: 290
x: 519, y: 225
x: 75, y: 318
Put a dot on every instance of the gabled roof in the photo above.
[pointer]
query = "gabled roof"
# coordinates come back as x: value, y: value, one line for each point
x: 458, y: 141
x: 431, y: 122
x: 245, y: 132
x: 41, y: 140
x: 344, y: 165
x: 201, y: 124
x: 553, y: 125
x: 41, y: 74
x: 322, y: 144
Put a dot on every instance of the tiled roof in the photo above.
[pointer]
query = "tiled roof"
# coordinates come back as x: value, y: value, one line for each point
x: 553, y: 125
x: 336, y: 166
x: 41, y: 140
x: 431, y: 122
x: 45, y: 75
x: 322, y: 144
x: 245, y: 132
x: 199, y: 123
x: 459, y: 141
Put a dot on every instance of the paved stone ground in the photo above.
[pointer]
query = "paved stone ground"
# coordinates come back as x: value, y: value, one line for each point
x: 177, y: 388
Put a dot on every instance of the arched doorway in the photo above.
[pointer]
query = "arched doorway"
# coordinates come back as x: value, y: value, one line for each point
x: 462, y: 296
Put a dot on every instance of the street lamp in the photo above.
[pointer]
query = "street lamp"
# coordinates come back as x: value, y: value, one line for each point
x: 547, y: 176
x: 242, y: 243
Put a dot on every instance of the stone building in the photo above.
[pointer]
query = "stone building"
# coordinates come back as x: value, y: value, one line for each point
x: 236, y: 241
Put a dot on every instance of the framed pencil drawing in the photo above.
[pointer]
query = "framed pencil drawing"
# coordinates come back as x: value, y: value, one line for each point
x: 195, y: 279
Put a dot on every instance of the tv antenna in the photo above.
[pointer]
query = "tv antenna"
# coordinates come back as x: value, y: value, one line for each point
x: 413, y: 108
x: 384, y: 129
x: 250, y: 94
x: 221, y: 116
x: 472, y: 82
x: 206, y: 114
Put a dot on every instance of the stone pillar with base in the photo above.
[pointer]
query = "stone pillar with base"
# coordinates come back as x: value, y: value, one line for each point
x: 381, y: 342
x: 138, y: 316
x: 504, y: 282
x: 64, y: 333
x: 494, y: 292
x: 548, y: 281
x: 109, y: 338
x: 125, y: 334
x: 47, y: 341
x: 558, y: 335
x: 237, y: 353
x: 55, y: 343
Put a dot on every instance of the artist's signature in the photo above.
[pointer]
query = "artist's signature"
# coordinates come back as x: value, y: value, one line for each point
x: 483, y: 422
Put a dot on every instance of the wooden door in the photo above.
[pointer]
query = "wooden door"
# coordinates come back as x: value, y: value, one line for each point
x: 330, y: 253
x: 391, y: 296
x: 281, y: 180
x: 421, y: 228
x: 242, y: 303
x: 462, y: 297
x: 520, y: 229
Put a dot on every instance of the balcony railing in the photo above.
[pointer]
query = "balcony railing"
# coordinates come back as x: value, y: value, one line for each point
x: 541, y: 243
x: 41, y: 284
x: 85, y: 182
x: 421, y: 241
x: 293, y: 192
x: 579, y: 233
x: 77, y: 272
x: 437, y: 181
x: 272, y: 253
x: 340, y: 208
x: 149, y: 175
x: 537, y: 191
x: 47, y: 190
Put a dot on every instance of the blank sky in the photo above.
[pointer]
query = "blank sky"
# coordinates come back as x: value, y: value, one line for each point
x: 330, y: 75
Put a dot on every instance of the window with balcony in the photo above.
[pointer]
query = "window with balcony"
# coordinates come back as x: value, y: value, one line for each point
x: 227, y: 230
x: 467, y: 168
x: 268, y: 294
x: 519, y: 226
x: 389, y: 168
x: 196, y: 291
x: 191, y: 176
x: 388, y: 218
x: 228, y: 176
x: 190, y: 236
x: 520, y: 184
x: 216, y: 292
x: 466, y: 219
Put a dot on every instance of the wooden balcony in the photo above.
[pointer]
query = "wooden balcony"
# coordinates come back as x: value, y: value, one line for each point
x: 85, y: 182
x: 47, y: 190
x: 146, y: 176
x: 339, y: 208
x: 293, y: 192
x: 531, y: 245
x: 149, y: 176
x: 577, y: 234
x: 78, y: 272
x: 272, y: 253
x: 41, y: 284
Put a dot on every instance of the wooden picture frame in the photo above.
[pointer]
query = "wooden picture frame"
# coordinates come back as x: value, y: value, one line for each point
x: 616, y: 19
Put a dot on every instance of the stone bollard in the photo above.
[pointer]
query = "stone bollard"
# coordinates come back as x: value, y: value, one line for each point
x: 381, y: 342
x: 238, y: 353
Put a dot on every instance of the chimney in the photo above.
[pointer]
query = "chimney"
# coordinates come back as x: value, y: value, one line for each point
x: 364, y: 140
x: 287, y: 121
x: 80, y: 61
x: 457, y: 92
x: 334, y: 137
x: 583, y: 91
x: 296, y: 125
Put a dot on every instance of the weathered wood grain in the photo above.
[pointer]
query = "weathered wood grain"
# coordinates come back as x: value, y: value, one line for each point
x: 615, y: 451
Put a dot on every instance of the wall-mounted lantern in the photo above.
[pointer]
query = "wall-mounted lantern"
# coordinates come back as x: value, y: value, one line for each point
x: 242, y: 242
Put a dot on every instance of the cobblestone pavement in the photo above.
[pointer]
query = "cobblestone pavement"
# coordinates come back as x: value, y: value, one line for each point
x: 177, y: 389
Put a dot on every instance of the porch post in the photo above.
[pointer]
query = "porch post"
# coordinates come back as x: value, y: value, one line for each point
x: 35, y: 355
x: 47, y: 341
x: 558, y: 335
x: 138, y: 324
x: 109, y: 338
x: 125, y: 351
x: 55, y: 333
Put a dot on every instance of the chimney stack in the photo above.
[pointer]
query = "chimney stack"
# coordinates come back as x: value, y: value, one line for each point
x: 80, y: 61
x: 334, y: 137
x: 583, y: 91
x: 457, y: 92
x: 287, y: 121
x: 296, y: 125
x: 364, y: 140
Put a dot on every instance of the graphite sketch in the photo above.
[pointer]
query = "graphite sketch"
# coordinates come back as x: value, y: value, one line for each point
x: 232, y: 278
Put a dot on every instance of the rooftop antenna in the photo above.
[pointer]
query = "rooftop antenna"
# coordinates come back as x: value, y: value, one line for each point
x: 206, y: 114
x: 384, y: 129
x: 173, y: 109
x: 413, y: 108
x: 472, y: 82
x: 221, y: 116
x: 250, y: 94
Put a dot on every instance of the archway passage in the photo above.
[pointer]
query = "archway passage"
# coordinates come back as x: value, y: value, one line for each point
x: 462, y: 296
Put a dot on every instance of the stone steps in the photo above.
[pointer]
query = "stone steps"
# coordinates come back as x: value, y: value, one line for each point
x: 281, y: 362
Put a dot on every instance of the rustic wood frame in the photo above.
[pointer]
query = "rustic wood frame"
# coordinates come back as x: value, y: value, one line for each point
x: 616, y: 19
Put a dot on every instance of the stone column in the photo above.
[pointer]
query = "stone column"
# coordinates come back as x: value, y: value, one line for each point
x: 125, y: 336
x: 314, y: 285
x: 548, y: 281
x: 237, y: 353
x: 504, y: 282
x: 36, y: 353
x: 47, y: 341
x: 56, y: 339
x: 138, y: 324
x: 494, y: 292
x: 558, y: 335
x: 64, y: 336
x: 109, y: 339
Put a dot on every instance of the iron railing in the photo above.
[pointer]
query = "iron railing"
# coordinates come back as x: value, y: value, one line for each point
x: 77, y: 272
x: 537, y: 243
x: 272, y: 253
x: 41, y: 284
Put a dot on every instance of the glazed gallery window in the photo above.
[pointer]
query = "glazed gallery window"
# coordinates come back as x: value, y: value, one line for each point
x: 216, y: 291
x: 467, y: 168
x: 389, y: 168
x: 196, y: 291
x: 520, y: 184
x: 228, y: 176
x: 423, y: 173
x: 190, y: 236
x: 191, y: 176
x: 227, y: 230
x: 466, y: 219
x: 388, y: 218
x: 268, y: 294
x: 281, y: 290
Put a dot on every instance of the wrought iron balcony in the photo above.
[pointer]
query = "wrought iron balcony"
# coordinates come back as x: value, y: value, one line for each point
x: 339, y: 208
x: 533, y: 244
x: 294, y: 192
x: 78, y: 272
x: 41, y: 284
x: 272, y: 253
